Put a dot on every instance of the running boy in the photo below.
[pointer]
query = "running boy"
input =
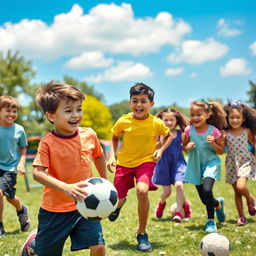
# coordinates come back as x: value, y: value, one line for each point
x: 13, y: 144
x: 138, y: 155
x: 62, y: 163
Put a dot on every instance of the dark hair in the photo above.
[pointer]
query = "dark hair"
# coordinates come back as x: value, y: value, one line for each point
x: 218, y: 115
x: 248, y: 113
x: 182, y: 121
x: 140, y: 88
x: 49, y: 95
x: 7, y: 101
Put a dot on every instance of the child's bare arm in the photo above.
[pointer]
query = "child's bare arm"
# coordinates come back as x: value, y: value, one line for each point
x: 21, y: 167
x: 100, y: 165
x: 217, y: 144
x: 187, y: 145
x: 74, y: 190
x: 167, y: 141
x: 111, y: 165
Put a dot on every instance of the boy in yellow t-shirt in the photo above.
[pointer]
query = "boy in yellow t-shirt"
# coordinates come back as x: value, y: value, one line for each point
x: 138, y: 155
x: 62, y: 163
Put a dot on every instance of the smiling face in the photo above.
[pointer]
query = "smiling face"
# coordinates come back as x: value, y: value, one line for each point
x: 67, y: 117
x: 140, y: 106
x: 235, y: 118
x: 198, y: 116
x: 170, y: 120
x: 8, y: 115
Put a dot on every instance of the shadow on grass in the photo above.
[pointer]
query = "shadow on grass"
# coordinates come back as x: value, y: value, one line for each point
x: 15, y: 232
x: 168, y: 219
x: 125, y: 245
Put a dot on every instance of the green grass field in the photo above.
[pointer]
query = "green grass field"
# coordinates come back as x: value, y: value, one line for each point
x: 176, y: 239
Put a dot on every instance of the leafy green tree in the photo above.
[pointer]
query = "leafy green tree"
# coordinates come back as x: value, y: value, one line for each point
x: 252, y: 94
x: 15, y: 74
x: 119, y: 109
x: 97, y: 116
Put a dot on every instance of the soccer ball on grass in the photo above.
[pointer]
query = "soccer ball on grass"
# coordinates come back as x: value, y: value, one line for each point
x: 215, y: 244
x: 101, y: 200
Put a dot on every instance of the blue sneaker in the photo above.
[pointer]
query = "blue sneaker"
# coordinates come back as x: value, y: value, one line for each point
x: 210, y: 226
x: 143, y: 243
x: 221, y: 213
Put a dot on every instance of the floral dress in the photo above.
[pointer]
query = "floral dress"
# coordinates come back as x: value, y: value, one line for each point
x: 240, y: 162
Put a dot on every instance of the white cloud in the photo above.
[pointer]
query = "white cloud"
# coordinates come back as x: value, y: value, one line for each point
x: 253, y: 48
x: 197, y: 52
x: 124, y: 71
x: 89, y: 60
x: 234, y: 67
x: 107, y: 28
x: 174, y: 71
x: 225, y: 30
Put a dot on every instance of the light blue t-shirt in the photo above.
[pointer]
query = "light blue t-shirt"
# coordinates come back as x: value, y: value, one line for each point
x: 11, y: 138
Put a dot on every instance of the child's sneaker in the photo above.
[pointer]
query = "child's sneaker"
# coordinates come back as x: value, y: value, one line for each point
x: 210, y: 226
x: 24, y: 219
x: 187, y: 209
x: 2, y: 232
x: 251, y: 207
x: 177, y: 217
x: 114, y: 215
x: 220, y: 212
x: 143, y: 243
x: 159, y: 210
x: 241, y: 221
x: 29, y: 245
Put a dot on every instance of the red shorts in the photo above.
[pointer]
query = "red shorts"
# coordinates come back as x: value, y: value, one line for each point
x: 124, y: 177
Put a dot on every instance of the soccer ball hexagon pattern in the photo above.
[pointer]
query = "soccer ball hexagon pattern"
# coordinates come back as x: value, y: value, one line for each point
x: 215, y: 244
x: 101, y: 200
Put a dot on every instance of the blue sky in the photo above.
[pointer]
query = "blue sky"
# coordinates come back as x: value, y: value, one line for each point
x: 183, y: 49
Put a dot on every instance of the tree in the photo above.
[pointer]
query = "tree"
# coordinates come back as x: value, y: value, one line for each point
x: 15, y: 74
x: 252, y: 94
x: 97, y: 116
x: 119, y: 109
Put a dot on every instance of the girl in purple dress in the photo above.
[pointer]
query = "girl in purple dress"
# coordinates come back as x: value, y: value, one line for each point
x: 170, y: 170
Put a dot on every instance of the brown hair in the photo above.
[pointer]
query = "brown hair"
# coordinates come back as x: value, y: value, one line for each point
x: 218, y: 115
x: 7, y: 101
x: 49, y: 95
x: 182, y: 121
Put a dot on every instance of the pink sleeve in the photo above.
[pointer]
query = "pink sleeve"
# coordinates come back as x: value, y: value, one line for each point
x: 215, y: 133
x: 187, y: 131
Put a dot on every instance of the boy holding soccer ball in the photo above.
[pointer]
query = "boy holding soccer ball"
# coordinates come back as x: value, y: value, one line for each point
x: 62, y: 163
x: 138, y: 155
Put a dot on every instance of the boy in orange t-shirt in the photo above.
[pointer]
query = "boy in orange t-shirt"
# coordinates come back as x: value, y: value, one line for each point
x: 62, y: 163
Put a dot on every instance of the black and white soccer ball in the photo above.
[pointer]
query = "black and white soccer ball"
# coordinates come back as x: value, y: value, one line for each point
x: 101, y: 200
x: 215, y: 244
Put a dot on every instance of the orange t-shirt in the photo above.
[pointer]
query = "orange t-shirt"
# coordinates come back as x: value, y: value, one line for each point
x: 68, y: 159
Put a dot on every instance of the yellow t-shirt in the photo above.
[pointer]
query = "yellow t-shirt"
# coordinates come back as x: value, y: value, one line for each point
x: 68, y: 159
x: 139, y: 139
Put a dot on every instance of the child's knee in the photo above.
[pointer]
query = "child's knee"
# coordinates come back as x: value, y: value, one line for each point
x: 98, y: 250
x: 1, y: 193
x: 179, y: 186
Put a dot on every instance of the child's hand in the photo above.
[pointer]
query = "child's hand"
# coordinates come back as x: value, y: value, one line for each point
x: 210, y: 139
x: 111, y: 165
x: 157, y: 155
x: 190, y: 145
x: 76, y: 190
x: 21, y: 169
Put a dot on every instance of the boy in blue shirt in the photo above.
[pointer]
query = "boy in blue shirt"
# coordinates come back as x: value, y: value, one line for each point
x: 13, y: 144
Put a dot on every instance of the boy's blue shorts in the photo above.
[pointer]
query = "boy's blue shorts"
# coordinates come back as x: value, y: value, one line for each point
x: 55, y: 227
x: 7, y: 182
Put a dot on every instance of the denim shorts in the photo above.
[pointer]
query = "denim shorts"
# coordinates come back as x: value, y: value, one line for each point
x: 7, y: 182
x: 55, y: 227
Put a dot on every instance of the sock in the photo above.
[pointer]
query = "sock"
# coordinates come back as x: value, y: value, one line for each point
x: 21, y: 211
